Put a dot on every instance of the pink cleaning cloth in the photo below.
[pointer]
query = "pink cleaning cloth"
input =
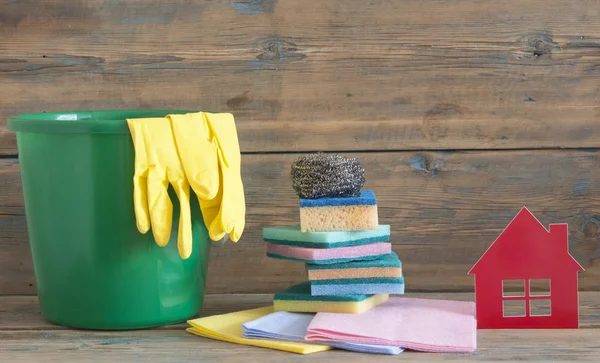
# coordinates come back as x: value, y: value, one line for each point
x: 426, y: 325
x: 329, y: 255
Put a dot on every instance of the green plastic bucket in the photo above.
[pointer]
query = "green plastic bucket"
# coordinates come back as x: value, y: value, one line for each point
x: 93, y: 269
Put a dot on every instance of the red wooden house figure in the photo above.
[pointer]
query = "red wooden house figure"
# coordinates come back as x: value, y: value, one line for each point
x: 527, y: 278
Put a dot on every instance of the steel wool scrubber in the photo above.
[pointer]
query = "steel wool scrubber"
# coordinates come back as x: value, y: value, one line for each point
x: 320, y: 175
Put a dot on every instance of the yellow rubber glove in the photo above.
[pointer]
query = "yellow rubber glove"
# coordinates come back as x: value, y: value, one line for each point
x: 232, y: 210
x: 209, y: 150
x: 157, y: 165
x: 198, y: 153
x: 140, y: 177
x: 197, y: 148
x: 210, y: 211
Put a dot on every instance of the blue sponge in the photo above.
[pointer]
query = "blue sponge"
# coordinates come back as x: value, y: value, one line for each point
x: 367, y: 197
x: 389, y: 260
x: 301, y: 291
x: 363, y: 281
x: 378, y: 285
x: 320, y: 290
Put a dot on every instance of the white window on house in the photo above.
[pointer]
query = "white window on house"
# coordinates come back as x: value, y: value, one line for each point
x: 528, y: 297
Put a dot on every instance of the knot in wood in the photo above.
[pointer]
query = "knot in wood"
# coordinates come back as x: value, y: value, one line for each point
x: 426, y: 165
x: 541, y: 44
x: 276, y: 49
x: 591, y: 228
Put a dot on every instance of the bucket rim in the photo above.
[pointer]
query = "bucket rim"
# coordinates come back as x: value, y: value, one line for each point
x: 102, y: 121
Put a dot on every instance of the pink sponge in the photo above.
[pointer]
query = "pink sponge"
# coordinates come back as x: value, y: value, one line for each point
x: 329, y: 255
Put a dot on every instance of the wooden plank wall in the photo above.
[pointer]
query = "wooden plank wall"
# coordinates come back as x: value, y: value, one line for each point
x: 461, y: 112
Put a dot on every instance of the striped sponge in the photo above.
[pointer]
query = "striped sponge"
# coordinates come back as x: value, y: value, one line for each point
x: 375, y: 285
x: 293, y: 236
x: 386, y: 266
x: 329, y: 255
x: 339, y: 213
x: 298, y: 298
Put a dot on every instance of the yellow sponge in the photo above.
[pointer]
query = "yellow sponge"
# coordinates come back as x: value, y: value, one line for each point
x: 348, y: 307
x: 339, y: 213
x: 299, y: 299
x: 349, y: 218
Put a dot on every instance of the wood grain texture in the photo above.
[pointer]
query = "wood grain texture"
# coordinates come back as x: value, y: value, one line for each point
x: 35, y: 340
x: 23, y: 312
x: 352, y: 75
x: 444, y: 209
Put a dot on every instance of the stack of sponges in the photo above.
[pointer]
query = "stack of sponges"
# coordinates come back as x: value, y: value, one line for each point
x: 350, y: 263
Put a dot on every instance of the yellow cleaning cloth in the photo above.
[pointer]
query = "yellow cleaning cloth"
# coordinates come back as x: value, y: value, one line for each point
x: 157, y: 165
x: 228, y: 328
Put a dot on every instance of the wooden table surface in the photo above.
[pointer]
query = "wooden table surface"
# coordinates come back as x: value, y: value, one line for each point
x: 26, y: 337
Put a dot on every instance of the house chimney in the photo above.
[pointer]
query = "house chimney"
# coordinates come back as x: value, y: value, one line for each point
x: 559, y: 235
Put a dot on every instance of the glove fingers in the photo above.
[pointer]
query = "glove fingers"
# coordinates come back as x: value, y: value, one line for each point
x: 161, y: 208
x: 222, y: 224
x: 238, y: 228
x: 210, y: 211
x: 194, y: 141
x: 210, y: 208
x: 184, y: 237
x: 215, y: 232
x: 231, y: 218
x: 231, y: 214
x: 140, y: 197
x: 140, y: 202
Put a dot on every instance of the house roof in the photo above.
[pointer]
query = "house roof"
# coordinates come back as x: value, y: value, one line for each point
x: 525, y: 246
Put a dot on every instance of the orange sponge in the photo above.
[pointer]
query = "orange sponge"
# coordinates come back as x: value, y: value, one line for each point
x: 387, y: 266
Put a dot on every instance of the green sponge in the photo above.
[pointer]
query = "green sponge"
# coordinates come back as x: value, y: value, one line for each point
x: 301, y: 291
x: 298, y: 298
x: 389, y: 260
x: 293, y: 236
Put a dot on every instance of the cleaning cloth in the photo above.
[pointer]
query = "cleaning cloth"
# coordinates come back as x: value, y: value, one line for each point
x: 419, y: 324
x: 385, y: 266
x: 329, y: 255
x: 298, y: 298
x: 283, y: 325
x: 228, y: 327
x: 293, y: 236
x: 339, y: 213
